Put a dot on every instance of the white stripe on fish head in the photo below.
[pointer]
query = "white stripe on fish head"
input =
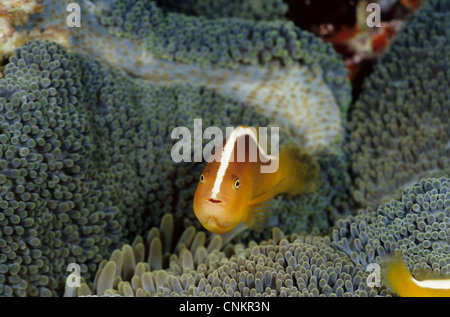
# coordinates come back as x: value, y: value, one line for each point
x: 227, y: 155
x: 225, y: 160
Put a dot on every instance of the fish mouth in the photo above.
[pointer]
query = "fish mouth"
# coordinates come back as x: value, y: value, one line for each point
x: 213, y: 214
x: 218, y: 200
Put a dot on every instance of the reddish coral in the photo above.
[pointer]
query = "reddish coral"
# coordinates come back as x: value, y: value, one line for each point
x: 412, y: 4
x: 379, y: 42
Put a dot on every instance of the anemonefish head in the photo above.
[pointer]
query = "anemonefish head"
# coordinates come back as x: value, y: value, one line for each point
x: 220, y: 201
x: 224, y: 188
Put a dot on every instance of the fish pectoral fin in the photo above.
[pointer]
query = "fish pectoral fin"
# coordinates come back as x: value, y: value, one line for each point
x: 255, y: 202
x: 258, y: 216
x: 268, y: 195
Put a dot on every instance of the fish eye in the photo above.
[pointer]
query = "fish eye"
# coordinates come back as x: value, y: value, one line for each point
x: 236, y: 184
x: 202, y: 178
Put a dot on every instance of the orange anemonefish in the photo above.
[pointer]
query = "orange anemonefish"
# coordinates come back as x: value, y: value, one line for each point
x: 397, y: 276
x: 231, y: 191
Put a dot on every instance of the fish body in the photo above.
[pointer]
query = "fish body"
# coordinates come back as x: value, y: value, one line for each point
x: 233, y: 189
x: 397, y: 276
